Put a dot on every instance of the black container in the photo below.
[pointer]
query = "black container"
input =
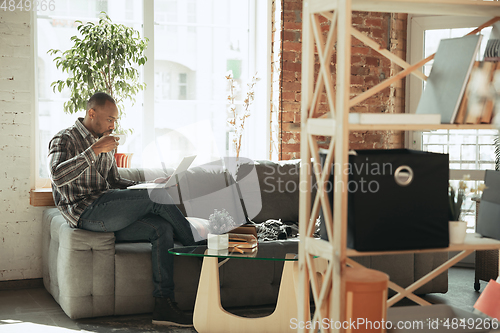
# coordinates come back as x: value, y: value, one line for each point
x: 488, y: 219
x: 397, y: 200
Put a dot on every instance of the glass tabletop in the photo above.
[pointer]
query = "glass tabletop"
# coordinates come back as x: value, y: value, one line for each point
x: 269, y: 250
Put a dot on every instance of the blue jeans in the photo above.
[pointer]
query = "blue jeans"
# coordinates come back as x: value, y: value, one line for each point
x: 136, y: 215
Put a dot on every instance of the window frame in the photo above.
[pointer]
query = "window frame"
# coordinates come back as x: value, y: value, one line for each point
x: 417, y: 24
x: 260, y: 25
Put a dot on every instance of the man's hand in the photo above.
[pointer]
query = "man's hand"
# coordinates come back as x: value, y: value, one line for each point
x: 161, y: 180
x: 105, y: 144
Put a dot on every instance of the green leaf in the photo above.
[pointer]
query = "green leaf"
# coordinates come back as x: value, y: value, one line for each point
x: 104, y: 51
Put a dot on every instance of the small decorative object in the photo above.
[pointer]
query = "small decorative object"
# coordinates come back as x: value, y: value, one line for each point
x: 456, y: 199
x: 237, y: 119
x: 457, y: 228
x: 492, y: 50
x: 218, y: 242
x: 216, y: 252
x: 458, y: 231
x: 219, y: 223
x: 123, y: 160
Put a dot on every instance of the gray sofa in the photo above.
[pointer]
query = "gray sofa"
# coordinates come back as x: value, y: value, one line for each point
x: 91, y: 275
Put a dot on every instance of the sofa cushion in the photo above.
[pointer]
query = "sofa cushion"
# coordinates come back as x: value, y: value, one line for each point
x: 207, y: 188
x: 133, y: 278
x: 279, y: 187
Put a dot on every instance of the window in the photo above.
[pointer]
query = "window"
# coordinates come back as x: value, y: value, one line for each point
x: 184, y: 110
x: 196, y: 42
x: 182, y: 86
x: 54, y: 30
x: 470, y: 151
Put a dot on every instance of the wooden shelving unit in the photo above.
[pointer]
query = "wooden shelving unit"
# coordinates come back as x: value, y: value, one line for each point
x: 329, y: 293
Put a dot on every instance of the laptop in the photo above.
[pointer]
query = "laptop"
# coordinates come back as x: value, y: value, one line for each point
x: 174, y: 178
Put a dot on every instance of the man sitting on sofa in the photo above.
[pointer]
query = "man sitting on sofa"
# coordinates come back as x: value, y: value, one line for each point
x: 90, y: 194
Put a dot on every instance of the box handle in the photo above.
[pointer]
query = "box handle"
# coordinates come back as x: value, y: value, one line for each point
x: 403, y: 175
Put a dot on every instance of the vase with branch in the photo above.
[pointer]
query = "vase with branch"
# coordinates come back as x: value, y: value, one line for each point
x: 236, y: 120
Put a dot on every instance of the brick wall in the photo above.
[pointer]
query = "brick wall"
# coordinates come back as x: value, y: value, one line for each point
x: 368, y: 68
x: 20, y: 224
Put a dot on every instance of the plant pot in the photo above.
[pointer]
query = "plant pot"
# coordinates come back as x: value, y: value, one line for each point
x: 218, y: 242
x: 123, y: 160
x: 458, y: 230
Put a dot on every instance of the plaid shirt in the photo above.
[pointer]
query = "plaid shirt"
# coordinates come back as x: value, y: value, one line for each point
x: 78, y: 175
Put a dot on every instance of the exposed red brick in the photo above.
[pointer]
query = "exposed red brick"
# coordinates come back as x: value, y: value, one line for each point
x: 289, y: 76
x: 368, y: 69
x: 357, y: 20
x: 325, y: 28
x: 290, y: 106
x: 356, y: 137
x: 290, y: 147
x: 356, y: 42
x: 379, y: 33
x: 374, y: 22
x: 291, y: 66
x: 371, y: 80
x: 289, y: 16
x: 360, y: 50
x: 374, y: 137
x: 355, y: 79
x: 289, y: 36
x: 288, y: 137
x: 360, y: 70
x: 357, y: 60
x: 293, y: 25
x: 292, y: 46
x: 372, y: 61
x: 359, y: 108
x: 291, y: 86
x: 290, y: 156
x: 357, y: 146
x: 356, y: 90
x: 292, y: 5
x: 289, y: 56
x: 290, y: 127
x: 287, y: 116
x: 288, y: 96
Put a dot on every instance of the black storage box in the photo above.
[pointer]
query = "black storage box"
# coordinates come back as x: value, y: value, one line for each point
x: 398, y: 200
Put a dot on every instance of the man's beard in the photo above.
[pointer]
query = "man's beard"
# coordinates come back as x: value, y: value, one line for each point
x: 103, y: 133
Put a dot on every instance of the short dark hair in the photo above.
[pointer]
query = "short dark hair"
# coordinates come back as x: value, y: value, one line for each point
x: 99, y: 99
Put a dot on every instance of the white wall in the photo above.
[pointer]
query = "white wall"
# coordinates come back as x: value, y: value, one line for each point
x: 20, y: 224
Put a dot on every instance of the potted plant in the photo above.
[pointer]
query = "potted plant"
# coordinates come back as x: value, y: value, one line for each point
x: 457, y: 227
x: 455, y: 200
x: 236, y: 119
x: 105, y: 58
x: 219, y: 223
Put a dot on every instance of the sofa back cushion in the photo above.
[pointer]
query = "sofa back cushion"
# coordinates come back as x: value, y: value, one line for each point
x: 209, y: 189
x: 279, y: 189
x: 270, y: 190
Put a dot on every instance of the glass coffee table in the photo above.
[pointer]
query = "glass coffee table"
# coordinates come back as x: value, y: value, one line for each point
x: 210, y: 316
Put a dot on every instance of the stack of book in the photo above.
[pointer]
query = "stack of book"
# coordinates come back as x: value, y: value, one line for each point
x: 478, y: 102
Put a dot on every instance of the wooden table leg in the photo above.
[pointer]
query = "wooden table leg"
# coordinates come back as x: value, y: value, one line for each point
x: 210, y: 316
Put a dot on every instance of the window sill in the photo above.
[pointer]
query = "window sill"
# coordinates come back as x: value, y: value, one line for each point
x: 41, y: 197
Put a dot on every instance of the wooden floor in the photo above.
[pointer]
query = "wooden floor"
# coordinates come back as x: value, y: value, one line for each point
x: 35, y: 311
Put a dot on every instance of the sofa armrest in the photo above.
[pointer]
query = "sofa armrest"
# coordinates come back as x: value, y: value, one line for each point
x: 80, y: 272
